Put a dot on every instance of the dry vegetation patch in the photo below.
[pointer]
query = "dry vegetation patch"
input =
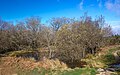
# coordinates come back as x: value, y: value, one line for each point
x: 12, y: 64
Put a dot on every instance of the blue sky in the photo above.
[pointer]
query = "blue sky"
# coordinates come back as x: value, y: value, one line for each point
x: 12, y: 10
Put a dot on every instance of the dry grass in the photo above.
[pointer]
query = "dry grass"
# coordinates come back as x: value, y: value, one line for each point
x: 9, y: 65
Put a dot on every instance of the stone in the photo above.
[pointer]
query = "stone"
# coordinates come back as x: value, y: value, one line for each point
x: 110, y: 69
x: 100, y: 70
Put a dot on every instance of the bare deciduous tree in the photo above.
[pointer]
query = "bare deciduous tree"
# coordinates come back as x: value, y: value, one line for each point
x: 48, y: 36
x: 33, y: 26
x: 76, y: 40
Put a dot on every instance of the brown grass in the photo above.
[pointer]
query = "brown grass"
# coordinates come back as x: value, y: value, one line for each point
x: 9, y: 65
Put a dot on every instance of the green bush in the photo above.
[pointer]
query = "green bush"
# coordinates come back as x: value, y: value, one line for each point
x: 108, y: 59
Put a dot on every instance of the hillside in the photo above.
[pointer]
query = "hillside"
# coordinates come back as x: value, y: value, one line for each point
x: 25, y: 66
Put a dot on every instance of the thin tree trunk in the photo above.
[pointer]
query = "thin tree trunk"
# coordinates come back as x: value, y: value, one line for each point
x: 50, y: 52
x: 93, y: 52
x: 84, y: 53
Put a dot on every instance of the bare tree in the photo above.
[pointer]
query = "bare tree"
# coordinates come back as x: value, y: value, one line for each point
x: 48, y: 36
x: 57, y: 23
x: 33, y: 25
x: 76, y: 40
x: 5, y: 40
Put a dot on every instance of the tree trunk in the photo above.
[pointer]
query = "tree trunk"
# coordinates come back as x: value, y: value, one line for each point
x: 84, y: 53
x: 50, y: 52
x: 93, y: 51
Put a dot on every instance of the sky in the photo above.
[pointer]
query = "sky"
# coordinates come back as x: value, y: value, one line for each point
x: 12, y: 10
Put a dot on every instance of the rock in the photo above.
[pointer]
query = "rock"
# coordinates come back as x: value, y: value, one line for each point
x: 100, y: 70
x: 104, y: 73
x: 117, y: 58
x: 110, y: 69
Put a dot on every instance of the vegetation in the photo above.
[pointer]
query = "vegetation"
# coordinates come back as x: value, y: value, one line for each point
x: 69, y: 40
x: 42, y: 71
x: 72, y: 39
x: 102, y: 59
x: 114, y: 40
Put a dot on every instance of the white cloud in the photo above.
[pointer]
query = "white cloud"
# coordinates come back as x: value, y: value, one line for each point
x: 109, y: 5
x: 115, y: 26
x: 113, y: 5
x: 81, y: 4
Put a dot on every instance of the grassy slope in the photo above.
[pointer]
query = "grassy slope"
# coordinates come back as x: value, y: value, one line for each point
x: 103, y: 58
x: 100, y: 60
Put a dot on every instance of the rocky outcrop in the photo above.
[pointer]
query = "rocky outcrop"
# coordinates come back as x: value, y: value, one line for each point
x: 117, y: 58
x: 108, y: 71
